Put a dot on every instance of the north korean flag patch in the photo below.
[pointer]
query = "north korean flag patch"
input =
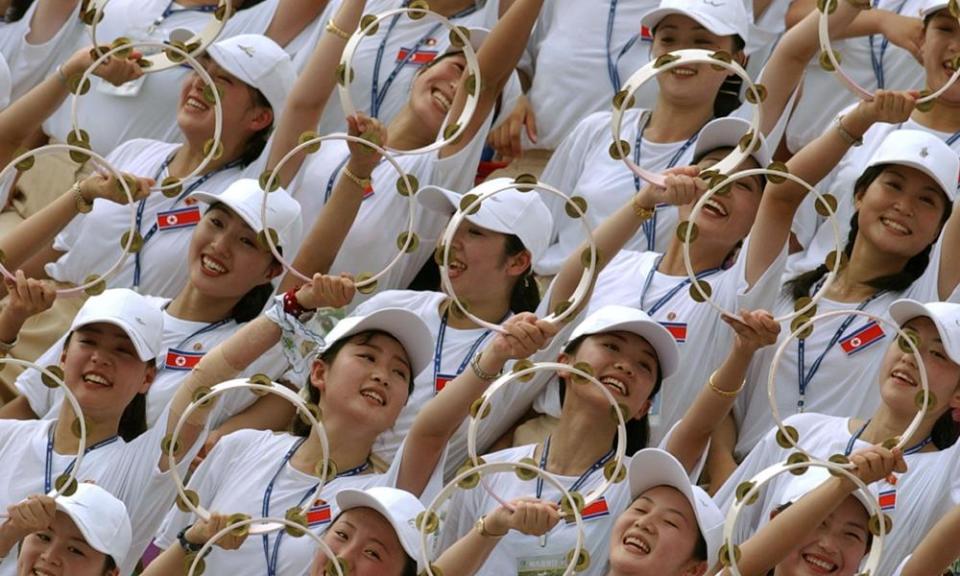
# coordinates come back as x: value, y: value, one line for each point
x: 596, y: 510
x: 676, y: 329
x: 862, y: 338
x: 180, y: 360
x: 179, y: 218
x: 419, y: 58
x: 318, y: 514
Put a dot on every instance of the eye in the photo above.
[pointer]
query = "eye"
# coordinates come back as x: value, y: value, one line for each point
x: 341, y: 535
x: 401, y: 373
x: 672, y: 524
x: 938, y: 354
x: 612, y: 346
x: 43, y: 536
x: 76, y: 551
x: 366, y: 356
x: 928, y: 200
x: 854, y: 535
x: 216, y: 222
x: 249, y: 242
x: 373, y: 554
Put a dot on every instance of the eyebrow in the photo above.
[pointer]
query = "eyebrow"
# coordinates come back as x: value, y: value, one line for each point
x: 396, y: 357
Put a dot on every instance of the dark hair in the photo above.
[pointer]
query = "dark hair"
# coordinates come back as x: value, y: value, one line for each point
x: 301, y: 428
x: 728, y: 98
x: 16, y: 10
x: 525, y: 295
x: 258, y: 142
x: 897, y: 282
x: 638, y: 431
x: 133, y: 421
x: 409, y: 564
x: 109, y: 564
x: 945, y: 431
x: 700, y: 550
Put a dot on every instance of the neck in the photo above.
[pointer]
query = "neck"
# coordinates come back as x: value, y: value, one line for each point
x: 885, y: 425
x: 189, y: 156
x: 194, y: 306
x: 348, y: 448
x: 863, y: 266
x: 407, y: 132
x: 672, y: 121
x: 65, y: 442
x: 582, y: 438
x: 943, y: 117
x: 703, y: 256
x: 492, y: 310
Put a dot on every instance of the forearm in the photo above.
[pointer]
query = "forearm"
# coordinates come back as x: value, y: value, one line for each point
x: 9, y: 538
x: 938, y: 550
x: 21, y: 119
x: 267, y: 413
x: 291, y: 17
x: 17, y: 409
x: 172, y: 562
x: 467, y: 554
x: 20, y: 244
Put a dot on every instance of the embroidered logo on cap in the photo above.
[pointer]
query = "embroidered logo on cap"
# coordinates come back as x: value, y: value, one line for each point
x: 248, y: 50
x: 924, y: 152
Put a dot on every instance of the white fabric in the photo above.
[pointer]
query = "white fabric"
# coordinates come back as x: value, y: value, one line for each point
x: 234, y: 477
x: 844, y: 385
x: 572, y: 35
x: 31, y: 63
x: 921, y: 493
x: 840, y: 184
x: 901, y: 72
x: 152, y: 111
x: 372, y: 240
x: 507, y: 407
x: 128, y: 470
x: 92, y: 241
x: 46, y: 401
x: 708, y: 338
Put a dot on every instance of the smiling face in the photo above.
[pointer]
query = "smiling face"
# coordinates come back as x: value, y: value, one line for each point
x: 656, y: 536
x: 60, y: 550
x: 368, y: 543
x: 624, y: 362
x: 835, y: 548
x: 434, y: 90
x: 900, y: 376
x: 367, y: 380
x: 900, y: 212
x: 479, y: 262
x: 941, y: 45
x: 243, y: 115
x: 103, y: 370
x: 696, y: 81
x: 225, y: 259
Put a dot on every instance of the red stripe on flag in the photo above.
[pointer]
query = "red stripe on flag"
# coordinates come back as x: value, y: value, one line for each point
x: 862, y: 338
x: 888, y: 500
x: 597, y: 509
x: 645, y: 34
x: 319, y: 513
x: 178, y: 218
x: 177, y: 360
x: 421, y: 57
x: 676, y: 329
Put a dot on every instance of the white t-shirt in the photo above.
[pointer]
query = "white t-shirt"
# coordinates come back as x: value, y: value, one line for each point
x: 31, y: 63
x: 92, y: 241
x: 422, y: 39
x: 234, y: 478
x: 372, y: 240
x: 458, y: 348
x: 845, y: 383
x: 184, y: 344
x: 146, y: 108
x: 919, y: 497
x: 812, y: 230
x: 128, y: 470
x: 704, y: 339
x: 901, y: 71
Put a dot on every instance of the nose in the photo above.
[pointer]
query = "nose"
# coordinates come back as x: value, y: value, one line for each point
x: 623, y: 366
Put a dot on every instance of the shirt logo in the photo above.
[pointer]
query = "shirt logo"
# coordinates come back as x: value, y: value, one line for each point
x: 645, y: 35
x: 441, y: 382
x: 179, y: 360
x: 318, y: 514
x: 676, y: 329
x: 418, y: 58
x: 596, y: 510
x: 179, y: 218
x: 888, y: 499
x: 862, y: 338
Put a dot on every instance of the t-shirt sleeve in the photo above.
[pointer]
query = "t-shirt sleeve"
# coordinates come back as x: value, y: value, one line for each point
x: 763, y: 293
x: 34, y: 62
x: 926, y: 288
x: 30, y: 384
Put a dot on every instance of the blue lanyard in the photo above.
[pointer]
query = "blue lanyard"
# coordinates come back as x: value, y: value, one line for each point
x: 805, y: 376
x: 272, y: 560
x: 137, y: 258
x: 911, y: 450
x: 612, y: 71
x: 583, y: 477
x: 333, y: 178
x: 377, y: 94
x: 877, y: 59
x: 48, y: 468
x: 673, y: 291
x: 208, y: 328
x: 438, y: 351
x: 650, y: 225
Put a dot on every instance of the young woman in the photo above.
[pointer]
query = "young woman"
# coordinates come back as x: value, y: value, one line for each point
x: 903, y: 226
x: 914, y: 500
x: 940, y: 35
x: 631, y: 355
x: 84, y: 534
x: 360, y: 382
x: 229, y: 284
x: 663, y: 136
x: 437, y: 93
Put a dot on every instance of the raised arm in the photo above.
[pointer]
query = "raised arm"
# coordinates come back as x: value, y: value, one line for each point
x: 498, y: 57
x: 688, y: 441
x: 812, y: 163
x: 939, y: 548
x: 174, y: 562
x: 311, y: 92
x: 442, y: 416
x: 292, y: 17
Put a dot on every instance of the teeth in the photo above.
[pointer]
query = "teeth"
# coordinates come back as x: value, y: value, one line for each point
x: 443, y: 100
x: 618, y: 385
x: 633, y: 541
x: 209, y: 264
x: 895, y: 226
x: 196, y: 104
x: 822, y: 564
x: 457, y: 265
x: 903, y: 376
x: 96, y: 379
x: 374, y: 396
x: 683, y: 72
x: 716, y: 206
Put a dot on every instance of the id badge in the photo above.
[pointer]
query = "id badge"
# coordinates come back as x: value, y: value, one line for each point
x: 550, y: 565
x: 127, y: 90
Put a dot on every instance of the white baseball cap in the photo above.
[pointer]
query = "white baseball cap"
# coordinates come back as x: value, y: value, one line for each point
x: 720, y: 17
x: 509, y: 212
x: 616, y: 317
x: 931, y: 6
x: 399, y: 507
x: 129, y: 311
x: 245, y: 198
x: 101, y: 518
x: 799, y: 486
x: 726, y: 132
x: 652, y: 467
x: 260, y: 62
x: 921, y: 150
x: 477, y: 35
x: 407, y: 327
x: 945, y: 316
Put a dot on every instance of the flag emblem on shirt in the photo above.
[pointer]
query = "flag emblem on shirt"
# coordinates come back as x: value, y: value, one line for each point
x: 419, y: 57
x: 862, y: 338
x: 676, y: 329
x: 645, y: 34
x: 318, y: 514
x: 179, y: 218
x: 888, y: 499
x: 441, y: 382
x: 596, y: 510
x: 179, y: 360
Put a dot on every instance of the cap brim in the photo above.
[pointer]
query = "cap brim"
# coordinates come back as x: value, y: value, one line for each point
x: 143, y: 349
x: 652, y: 18
x: 949, y: 190
x: 90, y: 535
x: 726, y: 133
x: 211, y: 199
x: 905, y: 309
x: 446, y: 201
x: 407, y: 327
x: 350, y: 498
x: 668, y: 354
